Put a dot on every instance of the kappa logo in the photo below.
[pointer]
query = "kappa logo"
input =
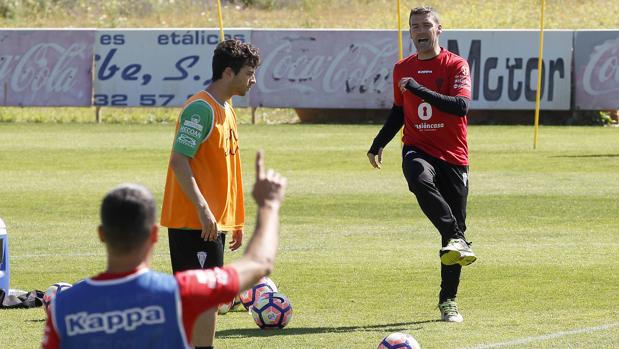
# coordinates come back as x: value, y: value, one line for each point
x: 465, y: 178
x: 113, y: 321
x: 201, y: 258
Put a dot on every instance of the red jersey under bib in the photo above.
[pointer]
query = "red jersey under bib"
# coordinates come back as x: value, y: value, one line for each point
x: 435, y: 132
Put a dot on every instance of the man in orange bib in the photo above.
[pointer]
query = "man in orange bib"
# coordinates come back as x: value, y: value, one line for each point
x: 203, y: 196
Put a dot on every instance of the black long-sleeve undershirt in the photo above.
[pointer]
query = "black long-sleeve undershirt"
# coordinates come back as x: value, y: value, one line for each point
x: 453, y: 105
x: 392, y: 126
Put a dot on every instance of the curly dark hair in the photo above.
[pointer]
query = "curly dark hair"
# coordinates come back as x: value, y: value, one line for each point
x: 424, y: 10
x: 234, y: 54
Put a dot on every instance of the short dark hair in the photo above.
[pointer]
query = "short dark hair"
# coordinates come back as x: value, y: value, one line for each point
x: 424, y: 10
x: 234, y: 54
x: 127, y: 216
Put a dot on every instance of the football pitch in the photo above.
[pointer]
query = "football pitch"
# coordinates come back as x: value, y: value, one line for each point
x: 357, y: 258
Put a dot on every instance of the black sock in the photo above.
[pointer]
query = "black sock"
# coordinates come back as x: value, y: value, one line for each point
x: 450, y: 279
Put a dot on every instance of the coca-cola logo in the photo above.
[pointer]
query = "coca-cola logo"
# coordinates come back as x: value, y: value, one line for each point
x: 601, y: 75
x: 45, y: 67
x: 300, y: 64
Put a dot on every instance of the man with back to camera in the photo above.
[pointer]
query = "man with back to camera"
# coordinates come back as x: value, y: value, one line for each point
x: 432, y: 92
x: 203, y: 197
x: 130, y: 306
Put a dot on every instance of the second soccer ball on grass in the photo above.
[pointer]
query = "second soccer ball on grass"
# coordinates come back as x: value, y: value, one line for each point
x: 272, y: 310
x: 248, y: 297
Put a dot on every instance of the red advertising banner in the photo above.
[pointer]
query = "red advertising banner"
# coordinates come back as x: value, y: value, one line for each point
x: 46, y: 67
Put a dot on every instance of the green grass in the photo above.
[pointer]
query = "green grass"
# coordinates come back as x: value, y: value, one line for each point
x: 361, y: 14
x: 62, y: 115
x: 357, y: 257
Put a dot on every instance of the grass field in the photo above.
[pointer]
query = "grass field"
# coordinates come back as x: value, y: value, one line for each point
x: 361, y: 14
x: 357, y: 257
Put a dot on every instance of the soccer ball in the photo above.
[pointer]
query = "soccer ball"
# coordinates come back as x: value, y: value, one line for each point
x: 236, y: 302
x: 399, y: 341
x: 249, y: 296
x: 272, y: 310
x: 51, y: 291
x: 228, y: 306
x: 225, y: 307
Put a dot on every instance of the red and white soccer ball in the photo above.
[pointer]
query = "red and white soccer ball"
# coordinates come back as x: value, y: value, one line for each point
x: 398, y: 340
x: 249, y: 296
x: 229, y: 306
x: 225, y: 307
x: 51, y: 292
x: 272, y: 310
x: 237, y: 302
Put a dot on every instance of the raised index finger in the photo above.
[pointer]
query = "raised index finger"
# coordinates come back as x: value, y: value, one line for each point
x: 260, y: 174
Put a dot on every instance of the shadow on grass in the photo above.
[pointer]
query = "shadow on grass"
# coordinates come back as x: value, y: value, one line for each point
x: 397, y: 327
x: 588, y: 156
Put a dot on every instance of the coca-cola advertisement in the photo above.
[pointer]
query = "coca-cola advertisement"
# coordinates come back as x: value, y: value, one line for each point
x: 596, y: 58
x: 46, y: 67
x: 325, y: 69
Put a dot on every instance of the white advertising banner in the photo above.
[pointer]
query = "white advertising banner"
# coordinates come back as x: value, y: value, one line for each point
x: 154, y: 68
x: 504, y: 63
x: 596, y: 63
x: 353, y: 68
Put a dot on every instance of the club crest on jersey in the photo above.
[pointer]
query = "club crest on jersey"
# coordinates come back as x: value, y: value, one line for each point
x: 439, y: 84
x: 201, y: 258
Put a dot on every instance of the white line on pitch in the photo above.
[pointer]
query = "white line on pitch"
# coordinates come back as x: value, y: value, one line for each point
x: 547, y: 336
